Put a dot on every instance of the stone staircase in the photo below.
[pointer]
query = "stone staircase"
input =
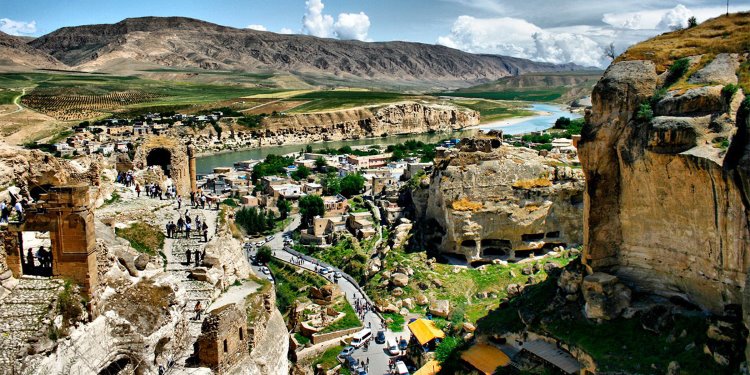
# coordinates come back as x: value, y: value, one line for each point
x: 25, y: 314
x: 196, y: 291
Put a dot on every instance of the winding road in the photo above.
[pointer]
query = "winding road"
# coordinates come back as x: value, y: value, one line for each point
x: 376, y: 354
x: 17, y: 102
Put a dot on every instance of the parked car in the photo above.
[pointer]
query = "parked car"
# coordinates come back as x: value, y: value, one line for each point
x: 380, y: 337
x: 337, y: 275
x: 401, y: 368
x: 324, y: 271
x: 265, y: 270
x: 391, y: 347
x: 270, y: 278
x: 269, y: 238
x: 361, y: 371
x: 403, y: 344
x: 350, y: 362
x: 347, y: 352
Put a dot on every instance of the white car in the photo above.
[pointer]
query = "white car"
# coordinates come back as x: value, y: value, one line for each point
x: 270, y: 278
x: 265, y: 270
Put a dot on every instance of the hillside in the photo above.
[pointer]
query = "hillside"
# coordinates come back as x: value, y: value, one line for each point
x: 188, y: 43
x: 14, y: 52
x: 543, y: 86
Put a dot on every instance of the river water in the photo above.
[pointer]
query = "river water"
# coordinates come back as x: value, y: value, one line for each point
x: 206, y: 164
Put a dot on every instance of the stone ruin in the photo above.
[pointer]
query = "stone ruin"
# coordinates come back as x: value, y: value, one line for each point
x: 223, y: 342
x: 174, y: 159
x: 483, y: 142
x: 65, y: 212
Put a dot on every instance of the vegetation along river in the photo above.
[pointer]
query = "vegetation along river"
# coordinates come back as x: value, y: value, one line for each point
x: 544, y: 120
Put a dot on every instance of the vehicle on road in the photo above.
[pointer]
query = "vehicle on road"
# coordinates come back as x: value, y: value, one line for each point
x: 269, y: 238
x: 346, y: 352
x: 350, y: 362
x: 270, y: 278
x: 361, y: 337
x: 391, y: 347
x: 324, y: 271
x: 361, y: 371
x: 338, y: 275
x: 403, y: 344
x: 401, y: 368
x: 380, y: 337
x: 265, y: 270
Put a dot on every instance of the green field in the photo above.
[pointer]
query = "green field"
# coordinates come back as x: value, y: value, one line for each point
x: 547, y: 95
x: 343, y: 99
x: 7, y: 96
x: 492, y: 110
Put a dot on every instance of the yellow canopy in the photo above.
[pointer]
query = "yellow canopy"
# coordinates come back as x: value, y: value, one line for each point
x: 425, y: 331
x: 432, y: 367
x: 485, y: 358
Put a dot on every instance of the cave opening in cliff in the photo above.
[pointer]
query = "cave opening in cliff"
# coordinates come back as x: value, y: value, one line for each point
x: 495, y: 247
x: 532, y: 237
x: 116, y: 367
x: 161, y: 157
x: 469, y: 243
x: 554, y: 234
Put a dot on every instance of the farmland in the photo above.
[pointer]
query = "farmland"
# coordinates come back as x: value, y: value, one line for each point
x: 493, y: 110
x: 343, y: 99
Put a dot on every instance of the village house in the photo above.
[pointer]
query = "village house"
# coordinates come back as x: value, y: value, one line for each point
x: 360, y: 225
x: 371, y: 161
x: 323, y: 230
x: 312, y: 188
x: 335, y: 205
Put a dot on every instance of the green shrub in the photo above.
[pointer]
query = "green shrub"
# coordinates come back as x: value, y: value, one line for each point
x: 728, y: 91
x: 645, y: 113
x: 446, y: 348
x: 677, y: 70
x: 659, y: 94
x: 143, y: 237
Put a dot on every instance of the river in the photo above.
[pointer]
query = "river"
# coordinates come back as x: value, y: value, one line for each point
x: 550, y: 113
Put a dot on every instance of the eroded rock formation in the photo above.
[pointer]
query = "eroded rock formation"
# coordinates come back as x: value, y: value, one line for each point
x: 491, y: 201
x: 667, y: 202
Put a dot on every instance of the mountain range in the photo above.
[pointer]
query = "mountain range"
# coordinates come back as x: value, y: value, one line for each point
x: 149, y: 43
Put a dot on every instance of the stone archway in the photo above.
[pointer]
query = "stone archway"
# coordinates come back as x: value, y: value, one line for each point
x: 161, y: 157
x: 175, y: 159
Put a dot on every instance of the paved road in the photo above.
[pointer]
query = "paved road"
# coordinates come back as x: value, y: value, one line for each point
x: 376, y: 352
x: 17, y: 102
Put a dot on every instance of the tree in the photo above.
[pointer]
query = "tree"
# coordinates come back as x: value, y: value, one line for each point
x: 331, y: 184
x: 692, y: 22
x: 301, y: 173
x: 254, y: 221
x: 308, y: 148
x: 352, y: 184
x: 284, y: 207
x: 320, y: 163
x: 309, y: 207
x: 610, y: 52
x: 264, y: 255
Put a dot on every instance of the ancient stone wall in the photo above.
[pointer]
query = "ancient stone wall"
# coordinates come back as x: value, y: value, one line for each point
x: 666, y: 204
x: 508, y: 203
x: 178, y: 165
x: 223, y: 342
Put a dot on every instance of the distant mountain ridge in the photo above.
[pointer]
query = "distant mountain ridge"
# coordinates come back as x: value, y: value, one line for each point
x: 15, y: 52
x: 180, y: 42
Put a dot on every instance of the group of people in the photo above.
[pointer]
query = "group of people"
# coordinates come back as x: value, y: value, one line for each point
x: 199, y: 255
x: 362, y: 306
x: 155, y: 191
x: 200, y: 200
x: 185, y: 225
x: 7, y: 208
x: 125, y: 178
x: 43, y: 256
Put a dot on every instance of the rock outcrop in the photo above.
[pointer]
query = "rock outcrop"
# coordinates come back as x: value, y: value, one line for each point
x: 667, y: 202
x: 491, y: 201
x: 392, y: 119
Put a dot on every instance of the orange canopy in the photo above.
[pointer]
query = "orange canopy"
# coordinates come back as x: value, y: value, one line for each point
x: 432, y: 367
x: 425, y: 331
x: 485, y: 358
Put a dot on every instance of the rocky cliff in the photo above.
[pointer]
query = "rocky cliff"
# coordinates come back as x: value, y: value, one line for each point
x: 666, y: 162
x: 377, y: 121
x: 489, y: 201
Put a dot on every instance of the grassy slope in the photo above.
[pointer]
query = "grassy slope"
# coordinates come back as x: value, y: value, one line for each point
x: 319, y: 101
x: 726, y: 34
x: 145, y: 238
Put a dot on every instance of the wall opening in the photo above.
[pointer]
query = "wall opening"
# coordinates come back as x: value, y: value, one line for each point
x: 242, y: 334
x: 161, y: 157
x: 532, y: 237
x: 36, y: 254
x: 226, y: 348
x: 469, y: 243
x: 554, y: 234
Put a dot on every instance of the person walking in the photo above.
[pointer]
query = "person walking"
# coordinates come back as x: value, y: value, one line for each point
x: 19, y: 210
x: 198, y: 309
x: 205, y: 233
x: 179, y: 202
x: 168, y: 226
x: 187, y: 229
x: 4, y: 212
x: 180, y: 224
x: 188, y: 257
x: 138, y: 190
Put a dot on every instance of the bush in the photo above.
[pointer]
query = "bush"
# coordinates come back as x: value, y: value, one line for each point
x: 446, y: 348
x: 264, y: 255
x: 677, y: 70
x: 309, y: 207
x: 272, y: 165
x: 728, y: 91
x: 352, y: 184
x: 659, y: 94
x: 254, y: 221
x: 301, y: 173
x: 645, y: 113
x: 562, y: 123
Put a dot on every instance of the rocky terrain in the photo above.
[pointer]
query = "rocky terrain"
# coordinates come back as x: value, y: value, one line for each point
x: 491, y: 201
x: 188, y: 43
x: 16, y: 53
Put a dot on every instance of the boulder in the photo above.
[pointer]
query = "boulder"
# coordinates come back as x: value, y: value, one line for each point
x: 421, y: 300
x: 440, y: 308
x: 570, y: 281
x: 400, y: 279
x: 605, y: 296
x: 397, y: 292
x: 404, y: 311
x: 141, y: 261
x: 468, y: 327
x: 549, y: 266
x: 389, y: 308
x: 527, y: 271
x: 513, y: 290
x: 408, y: 303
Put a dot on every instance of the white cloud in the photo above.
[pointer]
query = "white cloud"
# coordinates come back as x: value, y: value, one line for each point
x: 286, y: 30
x: 12, y: 27
x: 675, y: 18
x: 346, y: 25
x: 519, y: 38
x: 352, y: 26
x: 314, y: 22
x: 257, y: 27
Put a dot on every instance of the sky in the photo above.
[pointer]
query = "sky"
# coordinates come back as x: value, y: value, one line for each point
x: 557, y: 31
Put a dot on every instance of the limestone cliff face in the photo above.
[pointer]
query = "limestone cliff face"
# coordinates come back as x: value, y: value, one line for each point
x: 506, y: 203
x: 667, y: 204
x: 393, y: 119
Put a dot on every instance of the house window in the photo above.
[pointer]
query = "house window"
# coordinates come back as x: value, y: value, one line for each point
x: 242, y: 336
x: 226, y: 349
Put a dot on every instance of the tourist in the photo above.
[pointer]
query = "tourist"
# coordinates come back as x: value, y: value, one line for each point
x: 30, y: 259
x: 169, y: 229
x: 138, y: 190
x: 188, y: 257
x: 198, y: 309
x: 19, y: 210
x: 179, y: 202
x: 4, y: 212
x: 205, y: 233
x: 203, y: 255
x: 180, y: 224
x: 198, y: 259
x: 192, y: 198
x: 187, y: 229
x: 197, y: 222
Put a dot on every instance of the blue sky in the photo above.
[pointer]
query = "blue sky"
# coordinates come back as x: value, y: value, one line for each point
x: 545, y: 30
